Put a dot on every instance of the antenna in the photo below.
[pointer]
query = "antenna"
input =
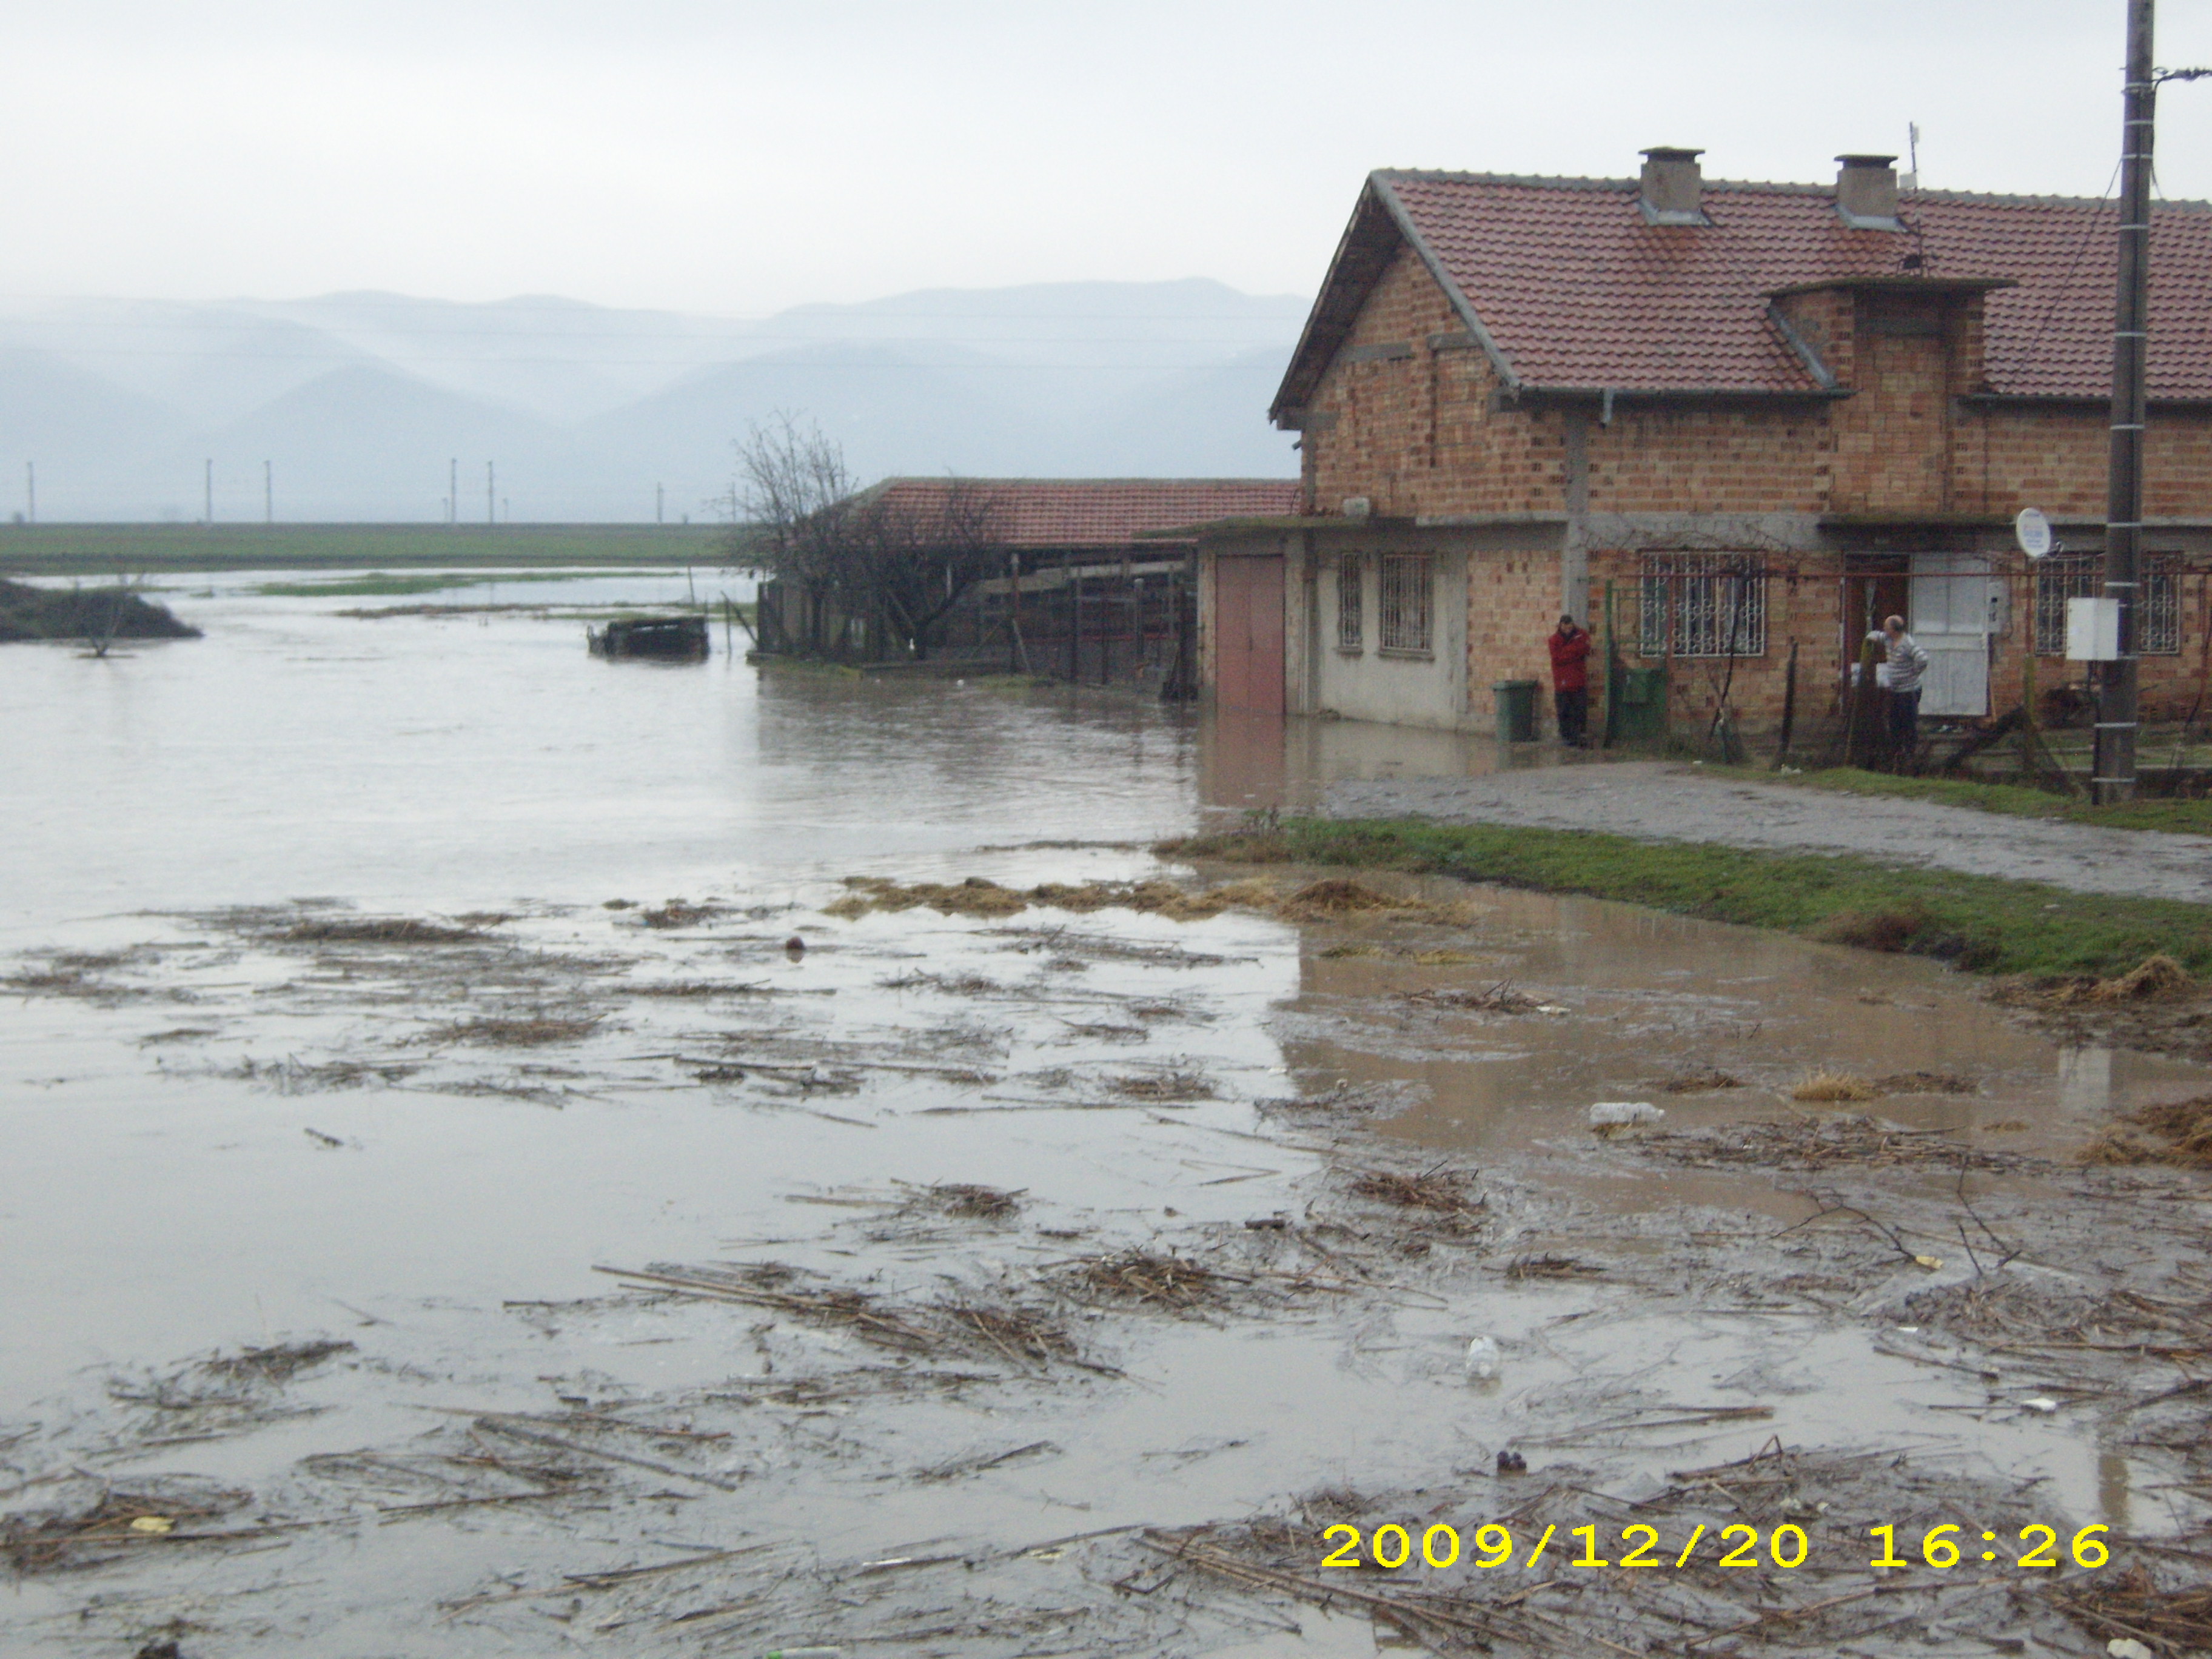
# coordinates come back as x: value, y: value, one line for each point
x: 1912, y: 179
x: 2033, y: 532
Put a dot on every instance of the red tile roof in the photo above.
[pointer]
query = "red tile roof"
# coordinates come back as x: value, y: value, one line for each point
x: 1070, y: 512
x: 1575, y: 290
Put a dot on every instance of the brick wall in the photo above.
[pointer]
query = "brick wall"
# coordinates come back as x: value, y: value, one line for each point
x: 1412, y: 426
x: 1512, y: 604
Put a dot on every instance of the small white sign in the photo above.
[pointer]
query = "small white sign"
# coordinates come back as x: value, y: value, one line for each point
x: 2093, y: 630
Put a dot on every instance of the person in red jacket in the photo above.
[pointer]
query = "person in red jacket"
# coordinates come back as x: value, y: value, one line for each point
x: 1570, y: 649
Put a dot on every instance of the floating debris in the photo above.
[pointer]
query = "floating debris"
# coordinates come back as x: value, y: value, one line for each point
x: 1499, y: 999
x: 1825, y: 1086
x: 1704, y: 1080
x: 1612, y: 1117
x: 386, y: 930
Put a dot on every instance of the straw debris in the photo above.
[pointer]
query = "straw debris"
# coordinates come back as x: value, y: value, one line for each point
x: 1709, y: 1079
x: 118, y: 1519
x: 2130, y: 1605
x: 1163, y: 1086
x: 1148, y: 1279
x: 1499, y: 999
x: 2182, y: 1129
x: 1801, y: 1144
x: 531, y: 1033
x: 1825, y: 1086
x: 380, y: 930
x: 1440, y: 1191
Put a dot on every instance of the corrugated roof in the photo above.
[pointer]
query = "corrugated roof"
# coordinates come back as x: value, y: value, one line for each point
x: 1572, y: 288
x: 1070, y: 513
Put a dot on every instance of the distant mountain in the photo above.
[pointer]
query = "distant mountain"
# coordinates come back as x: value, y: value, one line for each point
x: 359, y: 402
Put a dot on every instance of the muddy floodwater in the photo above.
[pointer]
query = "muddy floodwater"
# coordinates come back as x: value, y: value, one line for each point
x: 507, y: 1154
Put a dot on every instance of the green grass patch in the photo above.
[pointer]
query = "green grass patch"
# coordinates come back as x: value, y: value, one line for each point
x: 2015, y: 800
x: 377, y: 584
x: 1983, y: 923
x: 84, y: 549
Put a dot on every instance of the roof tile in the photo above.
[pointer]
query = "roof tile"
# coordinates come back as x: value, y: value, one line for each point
x: 1578, y: 291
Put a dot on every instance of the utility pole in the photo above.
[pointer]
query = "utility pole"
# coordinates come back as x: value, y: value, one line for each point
x: 2113, y: 775
x: 268, y: 493
x: 209, y: 481
x: 659, y: 517
x: 454, y: 493
x: 491, y: 497
x: 30, y: 492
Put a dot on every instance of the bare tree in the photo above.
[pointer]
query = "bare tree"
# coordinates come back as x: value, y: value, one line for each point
x: 900, y: 561
x: 787, y: 504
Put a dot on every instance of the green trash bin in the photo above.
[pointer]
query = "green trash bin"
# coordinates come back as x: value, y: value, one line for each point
x: 1516, y: 710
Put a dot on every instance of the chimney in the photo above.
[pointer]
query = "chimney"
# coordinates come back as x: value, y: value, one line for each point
x: 1672, y: 186
x: 1866, y: 192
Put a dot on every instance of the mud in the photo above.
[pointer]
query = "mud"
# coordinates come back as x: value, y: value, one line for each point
x: 1093, y: 1392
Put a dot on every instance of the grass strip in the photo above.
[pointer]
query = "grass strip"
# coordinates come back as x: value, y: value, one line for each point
x: 2011, y: 800
x: 377, y: 583
x: 69, y: 550
x: 1987, y: 924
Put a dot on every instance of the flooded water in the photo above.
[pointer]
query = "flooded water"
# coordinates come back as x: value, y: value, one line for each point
x: 230, y: 1123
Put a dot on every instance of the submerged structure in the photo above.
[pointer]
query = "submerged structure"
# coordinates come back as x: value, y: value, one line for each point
x: 1089, y: 580
x: 670, y: 639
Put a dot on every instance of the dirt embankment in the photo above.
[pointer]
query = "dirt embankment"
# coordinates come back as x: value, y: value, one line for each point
x: 1654, y: 800
x: 81, y: 613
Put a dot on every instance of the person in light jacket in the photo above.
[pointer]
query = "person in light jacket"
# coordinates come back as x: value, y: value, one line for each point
x: 1908, y: 662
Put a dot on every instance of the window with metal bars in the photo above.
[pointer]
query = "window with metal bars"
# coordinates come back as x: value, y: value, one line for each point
x: 2157, y: 620
x: 2074, y: 576
x: 1407, y: 605
x: 1703, y: 605
x: 1349, y: 617
x: 2082, y: 577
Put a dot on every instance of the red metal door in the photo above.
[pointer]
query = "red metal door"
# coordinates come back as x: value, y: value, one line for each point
x: 1249, y: 633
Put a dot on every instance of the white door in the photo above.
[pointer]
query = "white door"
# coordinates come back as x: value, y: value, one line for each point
x: 1955, y: 612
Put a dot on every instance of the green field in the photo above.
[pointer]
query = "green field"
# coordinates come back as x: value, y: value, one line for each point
x: 103, y: 549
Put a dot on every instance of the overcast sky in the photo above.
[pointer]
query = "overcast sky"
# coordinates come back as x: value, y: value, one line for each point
x: 733, y: 157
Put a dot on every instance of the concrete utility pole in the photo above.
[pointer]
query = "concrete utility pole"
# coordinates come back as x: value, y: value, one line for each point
x: 491, y: 496
x: 30, y: 492
x: 2113, y: 775
x: 453, y: 492
x: 659, y: 517
x: 208, y: 481
x: 268, y: 493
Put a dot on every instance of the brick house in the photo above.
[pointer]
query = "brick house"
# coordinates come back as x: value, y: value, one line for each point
x: 1746, y: 420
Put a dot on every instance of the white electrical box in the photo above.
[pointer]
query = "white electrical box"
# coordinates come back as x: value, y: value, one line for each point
x: 2093, y: 630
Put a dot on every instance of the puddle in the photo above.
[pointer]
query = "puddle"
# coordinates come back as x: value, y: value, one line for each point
x: 825, y: 1399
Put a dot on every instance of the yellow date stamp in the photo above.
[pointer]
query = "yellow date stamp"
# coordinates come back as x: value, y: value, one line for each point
x: 1493, y: 1547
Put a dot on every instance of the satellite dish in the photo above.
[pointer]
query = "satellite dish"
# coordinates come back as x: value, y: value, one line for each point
x: 2033, y: 532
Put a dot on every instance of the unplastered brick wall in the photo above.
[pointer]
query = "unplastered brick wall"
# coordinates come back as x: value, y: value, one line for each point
x: 1408, y: 416
x: 1512, y: 604
x: 2010, y: 456
x: 1704, y: 458
x: 1802, y: 605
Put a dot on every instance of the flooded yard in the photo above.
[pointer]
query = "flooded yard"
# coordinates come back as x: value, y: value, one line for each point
x: 512, y: 1154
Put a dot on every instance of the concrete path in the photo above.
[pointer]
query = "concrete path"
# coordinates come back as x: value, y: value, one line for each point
x: 1657, y: 800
